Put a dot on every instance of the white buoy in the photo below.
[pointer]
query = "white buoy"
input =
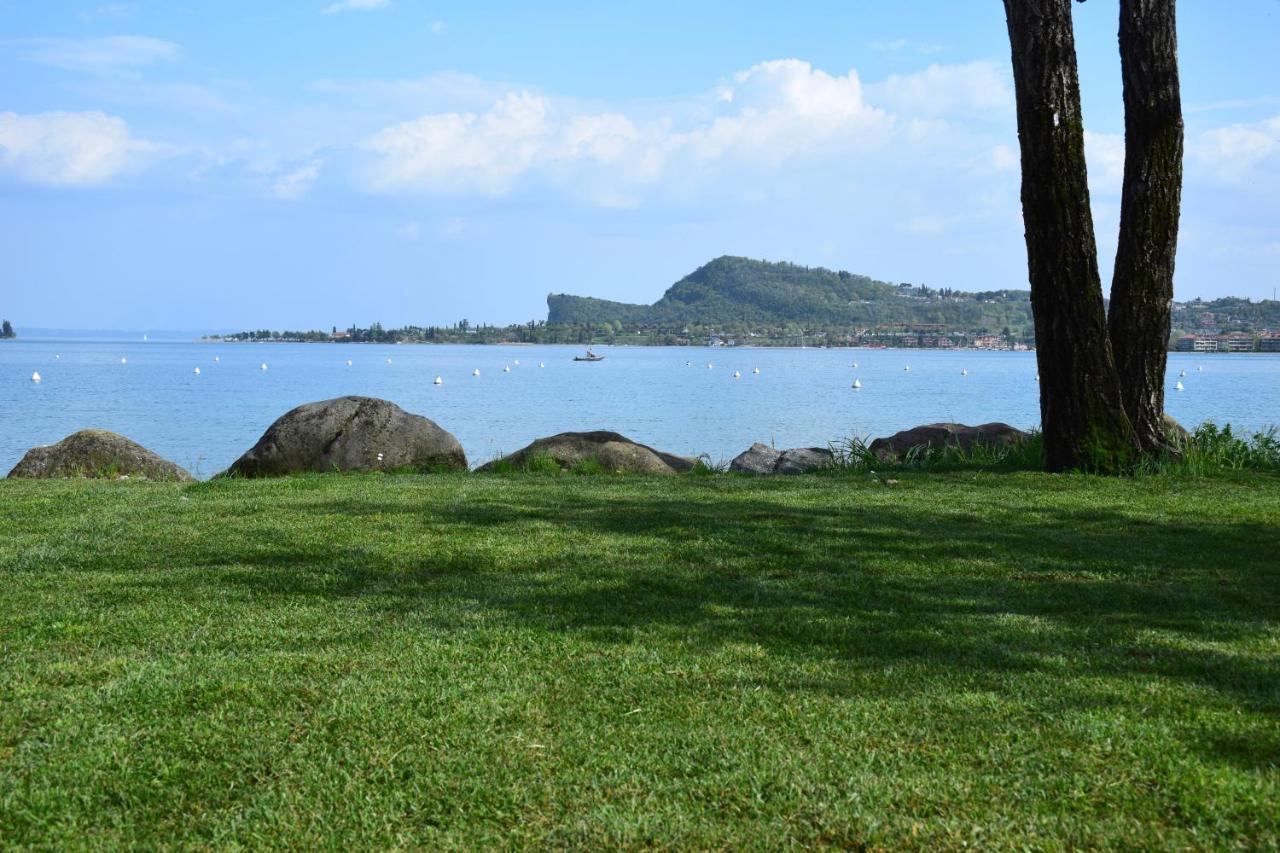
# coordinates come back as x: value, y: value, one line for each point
x: 907, y: 368
x: 57, y: 356
x: 542, y: 364
x: 475, y: 372
x: 737, y: 375
x: 964, y: 373
x: 124, y: 360
x: 196, y: 371
x: 517, y: 361
x: 1199, y: 368
x: 145, y: 338
x: 438, y: 381
x: 857, y: 384
x: 506, y: 368
x: 710, y: 365
x: 1183, y: 374
x: 688, y: 364
x: 262, y: 366
x: 1037, y: 377
x: 348, y: 362
x: 216, y: 359
x: 36, y: 377
x: 855, y: 365
x: 388, y: 361
x: 1177, y: 386
x: 756, y: 371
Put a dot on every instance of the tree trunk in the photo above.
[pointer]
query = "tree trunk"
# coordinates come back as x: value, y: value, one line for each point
x: 1081, y: 409
x: 1142, y: 287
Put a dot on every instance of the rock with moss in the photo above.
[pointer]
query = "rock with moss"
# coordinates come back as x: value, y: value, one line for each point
x: 762, y: 459
x: 350, y: 434
x: 942, y: 435
x: 96, y: 454
x: 600, y: 450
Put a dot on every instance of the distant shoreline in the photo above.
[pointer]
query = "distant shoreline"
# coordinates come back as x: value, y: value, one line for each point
x: 598, y: 344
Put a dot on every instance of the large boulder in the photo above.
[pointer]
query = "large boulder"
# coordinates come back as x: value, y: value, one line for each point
x: 802, y: 460
x: 756, y: 459
x: 762, y: 459
x: 350, y: 434
x: 937, y: 436
x: 97, y: 454
x: 613, y: 452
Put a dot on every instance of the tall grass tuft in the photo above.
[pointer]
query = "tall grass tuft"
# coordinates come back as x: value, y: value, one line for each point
x: 853, y: 455
x: 1210, y: 449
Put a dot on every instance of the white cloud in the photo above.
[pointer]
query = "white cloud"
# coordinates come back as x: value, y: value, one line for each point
x: 458, y: 151
x: 355, y: 6
x: 294, y: 183
x: 783, y: 109
x: 928, y: 225
x: 108, y: 11
x: 439, y: 91
x: 1104, y: 153
x: 1005, y: 159
x: 68, y: 149
x: 892, y: 46
x: 900, y: 44
x: 107, y: 55
x: 974, y: 87
x: 1232, y: 154
x: 767, y: 114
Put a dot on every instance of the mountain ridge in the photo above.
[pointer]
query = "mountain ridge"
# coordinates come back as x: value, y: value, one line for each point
x: 732, y: 291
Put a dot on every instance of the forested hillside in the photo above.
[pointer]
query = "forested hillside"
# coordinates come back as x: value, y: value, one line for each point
x: 734, y: 292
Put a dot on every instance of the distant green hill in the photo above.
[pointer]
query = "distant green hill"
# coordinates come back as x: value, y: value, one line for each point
x: 735, y: 292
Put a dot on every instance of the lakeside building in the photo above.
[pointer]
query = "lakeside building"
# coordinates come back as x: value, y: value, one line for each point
x: 1230, y: 342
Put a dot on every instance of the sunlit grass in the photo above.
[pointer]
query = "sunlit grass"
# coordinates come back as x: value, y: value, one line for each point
x: 1015, y: 660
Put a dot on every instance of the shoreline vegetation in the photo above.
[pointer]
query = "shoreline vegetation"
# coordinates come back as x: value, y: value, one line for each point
x: 735, y: 301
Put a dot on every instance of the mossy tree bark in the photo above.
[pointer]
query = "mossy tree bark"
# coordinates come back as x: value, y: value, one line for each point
x: 1142, y: 286
x: 1081, y: 406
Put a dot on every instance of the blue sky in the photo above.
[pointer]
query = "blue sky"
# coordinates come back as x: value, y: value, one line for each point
x: 305, y: 163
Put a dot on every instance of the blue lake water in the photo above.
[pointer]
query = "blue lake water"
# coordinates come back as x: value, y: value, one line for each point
x: 801, y: 397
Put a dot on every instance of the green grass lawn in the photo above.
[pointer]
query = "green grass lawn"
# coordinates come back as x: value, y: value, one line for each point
x: 1013, y: 660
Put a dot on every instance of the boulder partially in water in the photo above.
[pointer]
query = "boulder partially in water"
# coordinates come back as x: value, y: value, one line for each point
x: 350, y: 434
x: 613, y: 452
x: 96, y: 454
x: 937, y: 436
x: 762, y: 459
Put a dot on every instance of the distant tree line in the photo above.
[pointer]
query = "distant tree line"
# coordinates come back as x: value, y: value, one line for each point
x: 6, y: 330
x: 773, y: 304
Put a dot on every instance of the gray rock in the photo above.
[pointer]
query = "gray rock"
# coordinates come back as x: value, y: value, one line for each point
x: 96, y: 454
x: 756, y: 459
x: 350, y: 434
x: 934, y: 436
x: 802, y: 460
x: 761, y: 459
x: 615, y: 453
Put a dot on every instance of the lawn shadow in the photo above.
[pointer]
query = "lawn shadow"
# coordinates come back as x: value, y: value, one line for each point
x: 857, y: 585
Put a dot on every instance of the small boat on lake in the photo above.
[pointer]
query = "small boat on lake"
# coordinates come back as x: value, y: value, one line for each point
x: 590, y: 356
